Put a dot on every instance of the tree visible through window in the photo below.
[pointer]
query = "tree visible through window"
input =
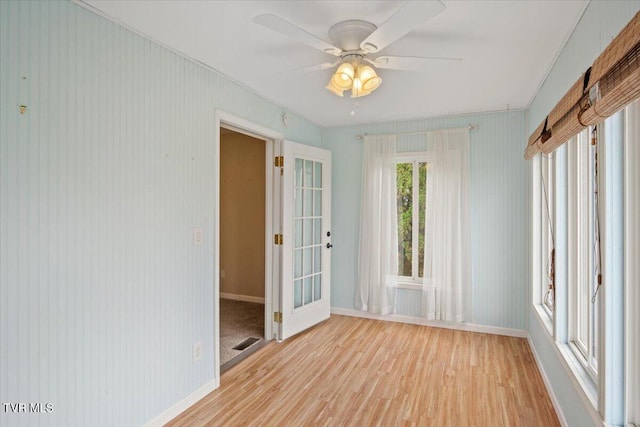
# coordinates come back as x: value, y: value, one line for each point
x: 411, y: 202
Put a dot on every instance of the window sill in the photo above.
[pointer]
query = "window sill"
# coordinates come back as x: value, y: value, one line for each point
x: 579, y: 373
x: 409, y: 285
x: 404, y: 282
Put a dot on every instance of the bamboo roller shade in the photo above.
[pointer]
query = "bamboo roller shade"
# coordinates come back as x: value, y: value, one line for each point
x: 613, y: 80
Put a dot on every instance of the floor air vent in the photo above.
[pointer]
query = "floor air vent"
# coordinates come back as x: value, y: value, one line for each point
x: 246, y: 343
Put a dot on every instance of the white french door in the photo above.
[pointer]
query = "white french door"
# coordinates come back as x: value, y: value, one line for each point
x: 306, y: 244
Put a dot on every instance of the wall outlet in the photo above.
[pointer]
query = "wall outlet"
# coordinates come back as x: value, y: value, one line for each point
x: 197, y: 351
x: 222, y: 274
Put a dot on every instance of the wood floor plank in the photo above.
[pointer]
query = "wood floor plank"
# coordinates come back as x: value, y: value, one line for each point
x: 351, y: 371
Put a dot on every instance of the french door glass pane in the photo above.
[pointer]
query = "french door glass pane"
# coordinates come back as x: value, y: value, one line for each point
x: 297, y: 293
x: 317, y: 256
x: 306, y: 262
x: 317, y: 230
x: 297, y: 263
x: 317, y: 203
x: 298, y: 179
x: 308, y: 202
x: 317, y: 287
x: 298, y: 232
x: 308, y: 291
x: 298, y: 202
x: 308, y: 173
x: 308, y: 233
x: 318, y: 175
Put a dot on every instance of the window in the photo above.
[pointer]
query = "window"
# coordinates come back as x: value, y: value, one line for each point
x: 632, y: 267
x: 583, y: 194
x: 583, y: 250
x: 547, y: 221
x: 411, y: 185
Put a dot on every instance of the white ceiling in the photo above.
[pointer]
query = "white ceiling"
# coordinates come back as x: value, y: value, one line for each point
x: 507, y: 48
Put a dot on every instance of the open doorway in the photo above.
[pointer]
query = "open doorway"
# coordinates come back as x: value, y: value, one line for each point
x: 295, y: 201
x: 242, y: 246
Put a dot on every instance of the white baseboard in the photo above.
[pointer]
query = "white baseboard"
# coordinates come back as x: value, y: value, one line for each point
x: 519, y: 333
x: 182, y: 405
x: 245, y: 298
x: 547, y: 384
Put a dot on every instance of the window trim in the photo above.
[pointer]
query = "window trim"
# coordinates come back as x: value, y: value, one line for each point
x: 415, y: 281
x: 578, y: 177
x: 537, y: 260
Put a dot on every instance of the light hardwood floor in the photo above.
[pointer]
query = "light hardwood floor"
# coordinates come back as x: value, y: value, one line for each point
x: 361, y: 372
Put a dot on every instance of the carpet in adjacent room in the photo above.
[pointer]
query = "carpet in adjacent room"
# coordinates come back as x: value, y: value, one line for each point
x: 239, y: 320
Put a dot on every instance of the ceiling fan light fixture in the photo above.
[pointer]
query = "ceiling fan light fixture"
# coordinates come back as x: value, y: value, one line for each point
x: 360, y: 79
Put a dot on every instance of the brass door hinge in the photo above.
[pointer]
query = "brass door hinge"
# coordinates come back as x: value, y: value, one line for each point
x: 279, y: 163
x: 277, y: 317
x: 277, y: 239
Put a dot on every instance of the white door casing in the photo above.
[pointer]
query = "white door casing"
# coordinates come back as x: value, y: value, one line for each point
x: 272, y: 224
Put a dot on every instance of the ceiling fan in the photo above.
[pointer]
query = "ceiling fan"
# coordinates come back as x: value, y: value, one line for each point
x: 355, y: 40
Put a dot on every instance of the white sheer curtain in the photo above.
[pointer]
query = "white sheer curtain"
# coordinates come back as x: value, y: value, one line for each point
x: 378, y: 256
x: 447, y: 287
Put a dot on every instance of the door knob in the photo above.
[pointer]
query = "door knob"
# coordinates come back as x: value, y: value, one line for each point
x: 329, y: 245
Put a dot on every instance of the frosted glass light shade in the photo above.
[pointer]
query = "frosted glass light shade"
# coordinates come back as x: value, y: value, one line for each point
x: 357, y: 90
x: 359, y: 93
x: 369, y: 78
x: 331, y: 87
x: 343, y: 77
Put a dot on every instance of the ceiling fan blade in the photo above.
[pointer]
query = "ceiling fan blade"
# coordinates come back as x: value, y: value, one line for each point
x: 286, y: 28
x: 408, y: 63
x: 317, y: 67
x: 400, y: 23
x: 301, y: 70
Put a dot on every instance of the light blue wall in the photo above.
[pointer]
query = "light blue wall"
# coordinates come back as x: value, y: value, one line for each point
x: 499, y: 211
x: 102, y: 292
x: 601, y: 22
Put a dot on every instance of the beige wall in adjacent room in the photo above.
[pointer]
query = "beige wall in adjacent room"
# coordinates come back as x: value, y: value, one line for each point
x: 242, y: 209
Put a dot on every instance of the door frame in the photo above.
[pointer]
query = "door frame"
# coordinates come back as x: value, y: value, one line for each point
x: 272, y: 222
